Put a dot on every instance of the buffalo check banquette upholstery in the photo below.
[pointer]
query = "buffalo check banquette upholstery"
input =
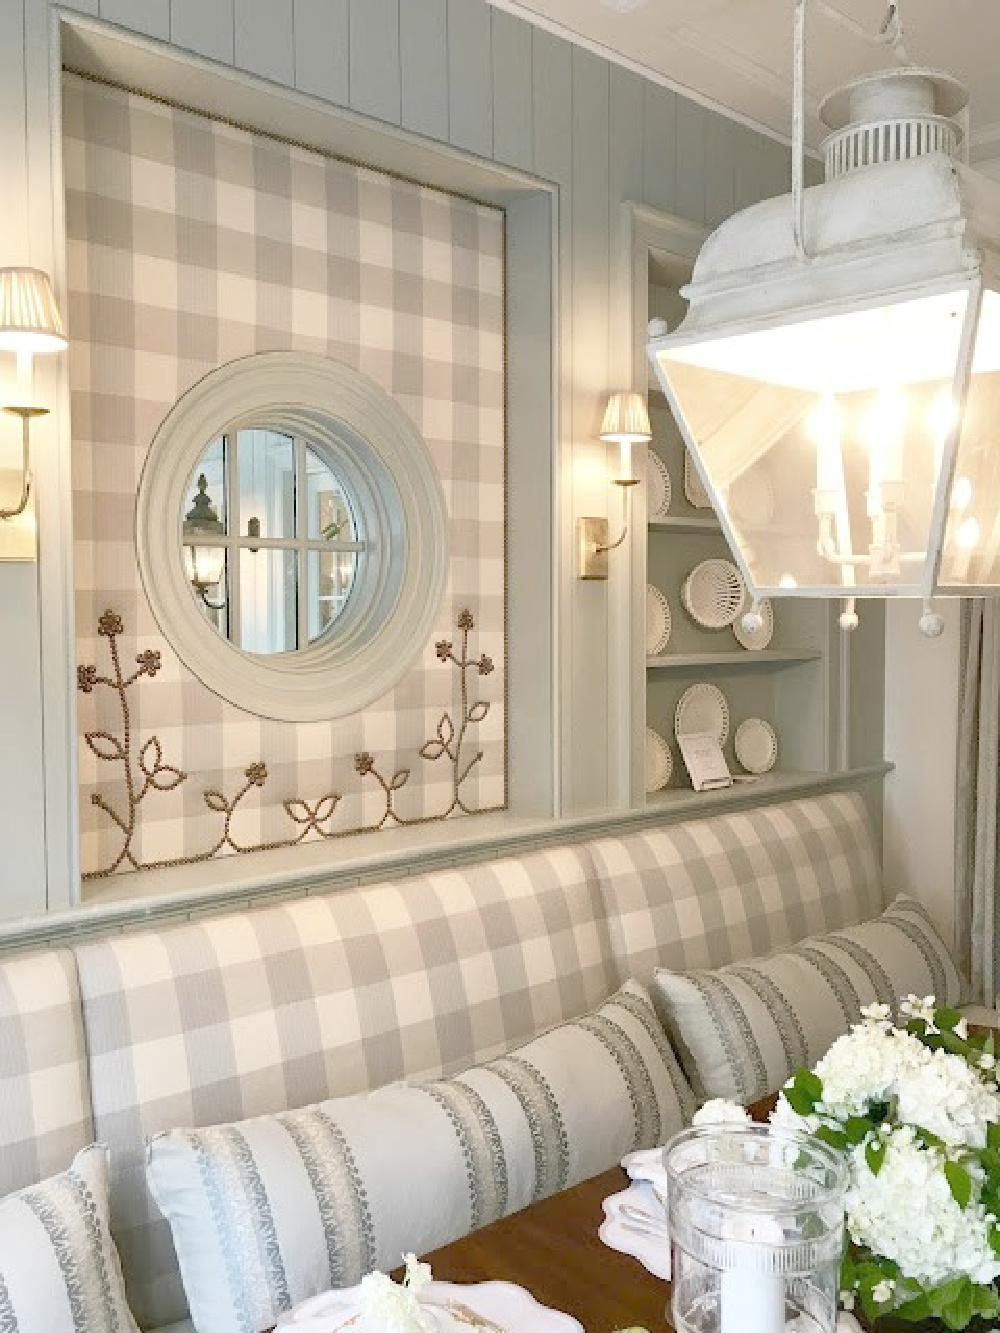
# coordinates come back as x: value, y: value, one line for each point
x: 258, y: 1011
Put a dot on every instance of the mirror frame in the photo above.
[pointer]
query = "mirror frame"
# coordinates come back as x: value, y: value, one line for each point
x: 389, y: 467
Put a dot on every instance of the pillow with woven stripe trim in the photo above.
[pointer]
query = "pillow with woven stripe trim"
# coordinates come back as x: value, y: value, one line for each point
x: 740, y: 1030
x: 269, y: 1211
x: 59, y: 1270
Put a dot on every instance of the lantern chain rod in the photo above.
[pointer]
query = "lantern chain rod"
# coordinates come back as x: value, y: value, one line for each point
x: 889, y: 34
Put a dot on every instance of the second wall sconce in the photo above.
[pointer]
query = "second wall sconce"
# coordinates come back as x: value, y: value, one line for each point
x: 29, y: 325
x: 626, y: 422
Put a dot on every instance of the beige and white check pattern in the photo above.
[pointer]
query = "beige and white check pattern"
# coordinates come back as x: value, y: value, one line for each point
x: 190, y: 244
x: 260, y: 1011
x: 714, y: 891
x: 44, y: 1089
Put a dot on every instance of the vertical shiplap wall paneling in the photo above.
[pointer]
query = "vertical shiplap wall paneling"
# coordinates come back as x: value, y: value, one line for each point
x: 720, y: 173
x: 423, y: 74
x: 374, y: 56
x: 470, y: 76
x: 151, y: 17
x: 591, y: 256
x: 207, y: 27
x: 511, y: 43
x: 775, y: 169
x: 659, y: 147
x: 322, y: 56
x: 626, y: 676
x: 748, y: 152
x: 552, y: 114
x: 265, y: 39
x: 692, y: 164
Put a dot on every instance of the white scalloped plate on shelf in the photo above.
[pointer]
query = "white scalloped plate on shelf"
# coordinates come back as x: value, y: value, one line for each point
x: 659, y: 762
x: 694, y: 487
x: 658, y: 621
x: 714, y: 593
x: 756, y: 745
x: 760, y: 638
x: 702, y: 708
x: 659, y: 488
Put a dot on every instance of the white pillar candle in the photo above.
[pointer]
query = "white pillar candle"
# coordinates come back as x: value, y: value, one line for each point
x: 752, y: 1299
x: 825, y: 425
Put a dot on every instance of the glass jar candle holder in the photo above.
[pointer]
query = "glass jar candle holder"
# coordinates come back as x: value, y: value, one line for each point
x: 757, y: 1227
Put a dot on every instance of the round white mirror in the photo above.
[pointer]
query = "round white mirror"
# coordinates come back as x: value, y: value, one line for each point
x: 292, y: 536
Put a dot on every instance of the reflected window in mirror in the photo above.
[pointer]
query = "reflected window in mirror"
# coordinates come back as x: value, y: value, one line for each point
x: 271, y: 539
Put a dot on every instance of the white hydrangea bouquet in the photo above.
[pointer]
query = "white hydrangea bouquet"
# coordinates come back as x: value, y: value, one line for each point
x: 915, y: 1107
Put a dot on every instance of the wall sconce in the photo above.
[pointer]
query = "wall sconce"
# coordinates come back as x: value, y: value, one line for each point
x: 204, y: 561
x: 29, y: 325
x: 626, y: 422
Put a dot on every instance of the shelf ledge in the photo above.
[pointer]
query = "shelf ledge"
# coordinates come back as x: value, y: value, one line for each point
x: 745, y: 658
x: 675, y: 803
x: 709, y: 527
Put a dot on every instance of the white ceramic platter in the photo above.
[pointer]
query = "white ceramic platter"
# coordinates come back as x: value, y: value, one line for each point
x: 760, y: 638
x: 702, y: 708
x: 479, y: 1306
x: 694, y: 489
x: 714, y: 593
x: 657, y: 621
x: 658, y: 486
x: 659, y: 762
x: 756, y: 745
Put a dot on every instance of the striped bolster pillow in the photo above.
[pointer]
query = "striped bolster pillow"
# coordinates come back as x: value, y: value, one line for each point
x: 270, y: 1211
x: 742, y: 1029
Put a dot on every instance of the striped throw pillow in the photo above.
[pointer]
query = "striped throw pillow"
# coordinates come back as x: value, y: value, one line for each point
x: 270, y: 1211
x: 740, y: 1030
x: 59, y: 1270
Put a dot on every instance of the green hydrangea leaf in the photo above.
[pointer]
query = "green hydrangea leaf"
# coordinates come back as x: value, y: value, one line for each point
x: 875, y: 1155
x: 959, y: 1182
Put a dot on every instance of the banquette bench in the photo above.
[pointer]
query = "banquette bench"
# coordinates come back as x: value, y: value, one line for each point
x: 253, y: 1012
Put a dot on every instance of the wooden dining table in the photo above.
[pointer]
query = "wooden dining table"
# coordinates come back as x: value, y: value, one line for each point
x: 552, y: 1249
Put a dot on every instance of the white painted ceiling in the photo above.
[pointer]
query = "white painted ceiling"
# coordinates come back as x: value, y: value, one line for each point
x: 737, y: 54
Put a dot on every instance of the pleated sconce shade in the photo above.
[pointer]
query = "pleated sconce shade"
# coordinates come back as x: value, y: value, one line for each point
x: 626, y: 419
x: 29, y: 317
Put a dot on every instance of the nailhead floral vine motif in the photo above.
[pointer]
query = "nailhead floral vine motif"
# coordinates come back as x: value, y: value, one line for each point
x: 145, y: 771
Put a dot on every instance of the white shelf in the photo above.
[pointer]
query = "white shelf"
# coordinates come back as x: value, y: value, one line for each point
x: 708, y: 526
x: 736, y: 658
x: 681, y: 802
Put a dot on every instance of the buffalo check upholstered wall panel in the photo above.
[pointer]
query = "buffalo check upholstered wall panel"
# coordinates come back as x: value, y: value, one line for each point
x: 256, y: 1012
x: 713, y: 891
x: 192, y: 243
x: 45, y: 1114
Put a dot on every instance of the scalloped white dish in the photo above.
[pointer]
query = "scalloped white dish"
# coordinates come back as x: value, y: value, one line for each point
x: 658, y: 621
x: 659, y: 762
x: 628, y: 1235
x: 483, y: 1307
x: 756, y: 745
x: 702, y: 708
x: 754, y: 642
x: 714, y: 593
x: 658, y: 485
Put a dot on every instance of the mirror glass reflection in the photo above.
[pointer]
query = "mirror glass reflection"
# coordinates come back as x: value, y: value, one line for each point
x: 270, y: 539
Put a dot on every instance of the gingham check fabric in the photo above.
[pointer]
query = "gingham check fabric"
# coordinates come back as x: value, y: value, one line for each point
x: 191, y: 243
x: 44, y: 1089
x: 261, y: 1011
x: 714, y: 891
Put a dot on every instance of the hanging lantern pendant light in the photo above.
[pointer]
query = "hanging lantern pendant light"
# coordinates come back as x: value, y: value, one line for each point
x: 842, y: 350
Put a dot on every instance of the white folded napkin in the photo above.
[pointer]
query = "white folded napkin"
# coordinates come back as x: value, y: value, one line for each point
x: 647, y: 1164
